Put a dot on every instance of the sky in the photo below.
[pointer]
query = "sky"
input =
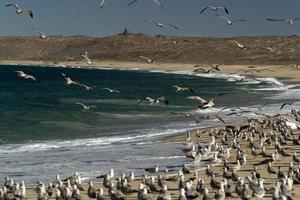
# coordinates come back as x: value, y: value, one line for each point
x: 84, y: 17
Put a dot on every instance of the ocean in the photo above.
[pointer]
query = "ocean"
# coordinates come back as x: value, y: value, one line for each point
x: 44, y: 132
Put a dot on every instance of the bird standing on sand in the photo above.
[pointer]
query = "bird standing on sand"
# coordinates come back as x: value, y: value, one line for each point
x: 204, y: 104
x: 215, y: 8
x: 161, y: 25
x: 85, y: 107
x: 20, y: 10
x: 229, y: 21
x: 69, y: 81
x: 289, y: 21
x: 182, y: 89
x: 21, y: 74
x: 85, y: 56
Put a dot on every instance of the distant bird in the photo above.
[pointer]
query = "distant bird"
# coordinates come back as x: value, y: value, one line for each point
x: 161, y: 25
x: 85, y: 107
x: 20, y: 10
x: 111, y: 90
x: 239, y: 45
x: 43, y: 35
x: 285, y: 104
x: 215, y: 8
x: 152, y: 101
x: 229, y: 21
x: 69, y: 81
x: 182, y: 89
x: 204, y: 104
x: 88, y: 60
x: 21, y: 74
x: 102, y: 3
x: 188, y: 116
x: 148, y: 60
x: 157, y: 2
x: 289, y: 21
x: 206, y: 71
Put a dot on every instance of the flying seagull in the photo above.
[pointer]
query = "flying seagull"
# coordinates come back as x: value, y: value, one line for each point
x: 111, y: 90
x: 215, y: 8
x: 289, y: 21
x: 161, y: 25
x: 148, y: 60
x: 25, y: 76
x: 69, y: 81
x: 157, y: 2
x: 152, y: 101
x: 41, y: 34
x: 206, y: 71
x: 182, y: 89
x: 239, y: 45
x: 229, y: 21
x: 88, y: 60
x: 203, y: 103
x: 20, y: 10
x: 85, y: 107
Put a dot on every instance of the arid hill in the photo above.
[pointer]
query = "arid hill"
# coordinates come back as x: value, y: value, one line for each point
x: 260, y: 50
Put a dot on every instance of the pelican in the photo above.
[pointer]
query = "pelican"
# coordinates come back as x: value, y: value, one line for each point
x: 69, y: 81
x: 152, y: 101
x: 289, y: 21
x: 239, y: 45
x: 182, y: 89
x: 111, y: 90
x: 88, y: 60
x: 229, y: 21
x: 215, y: 8
x: 25, y: 76
x: 148, y: 60
x: 85, y: 107
x: 161, y: 25
x: 20, y: 10
x: 204, y: 104
x: 157, y: 2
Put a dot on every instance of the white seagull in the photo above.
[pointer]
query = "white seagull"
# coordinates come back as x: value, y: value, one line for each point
x: 85, y: 107
x: 69, y: 81
x: 148, y: 60
x: 203, y: 103
x: 215, y: 8
x: 43, y: 35
x: 161, y: 25
x: 111, y: 90
x: 88, y: 60
x: 229, y: 21
x: 25, y: 76
x: 239, y: 45
x: 20, y: 10
x: 289, y: 21
x: 182, y: 89
x: 157, y: 2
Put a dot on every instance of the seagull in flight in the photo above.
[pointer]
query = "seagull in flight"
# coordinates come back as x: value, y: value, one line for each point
x: 182, y: 89
x: 21, y: 74
x: 206, y: 71
x: 161, y: 25
x: 289, y: 21
x: 43, y: 35
x: 239, y: 45
x: 215, y: 8
x: 88, y: 60
x: 229, y: 21
x: 148, y: 60
x: 153, y: 101
x: 203, y: 103
x: 111, y: 90
x: 69, y: 81
x: 157, y: 2
x: 20, y: 10
x: 85, y: 107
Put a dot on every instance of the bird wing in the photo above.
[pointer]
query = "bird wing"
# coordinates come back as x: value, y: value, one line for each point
x: 297, y: 18
x: 172, y: 26
x: 239, y: 20
x: 222, y: 17
x: 157, y: 2
x: 225, y: 9
x: 196, y: 98
x: 236, y: 42
x: 144, y: 57
x: 284, y: 104
x: 163, y: 100
x: 87, y: 58
x: 30, y: 13
x: 12, y: 4
x: 20, y: 73
x: 204, y: 9
x: 102, y: 3
x: 219, y: 118
x: 132, y: 2
x: 276, y: 20
x: 81, y: 104
x: 199, y: 69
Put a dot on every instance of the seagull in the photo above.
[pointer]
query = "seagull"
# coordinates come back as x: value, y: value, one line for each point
x: 182, y: 89
x: 85, y: 55
x: 239, y: 45
x: 157, y: 2
x: 102, y: 3
x: 161, y: 25
x: 69, y: 81
x: 43, y: 35
x: 229, y: 21
x: 111, y: 90
x: 25, y: 76
x: 204, y: 104
x: 215, y: 8
x: 152, y: 101
x: 202, y: 70
x: 20, y: 10
x: 85, y: 107
x: 148, y: 60
x: 289, y: 21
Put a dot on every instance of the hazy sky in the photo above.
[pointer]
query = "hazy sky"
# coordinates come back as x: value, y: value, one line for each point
x: 84, y: 17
